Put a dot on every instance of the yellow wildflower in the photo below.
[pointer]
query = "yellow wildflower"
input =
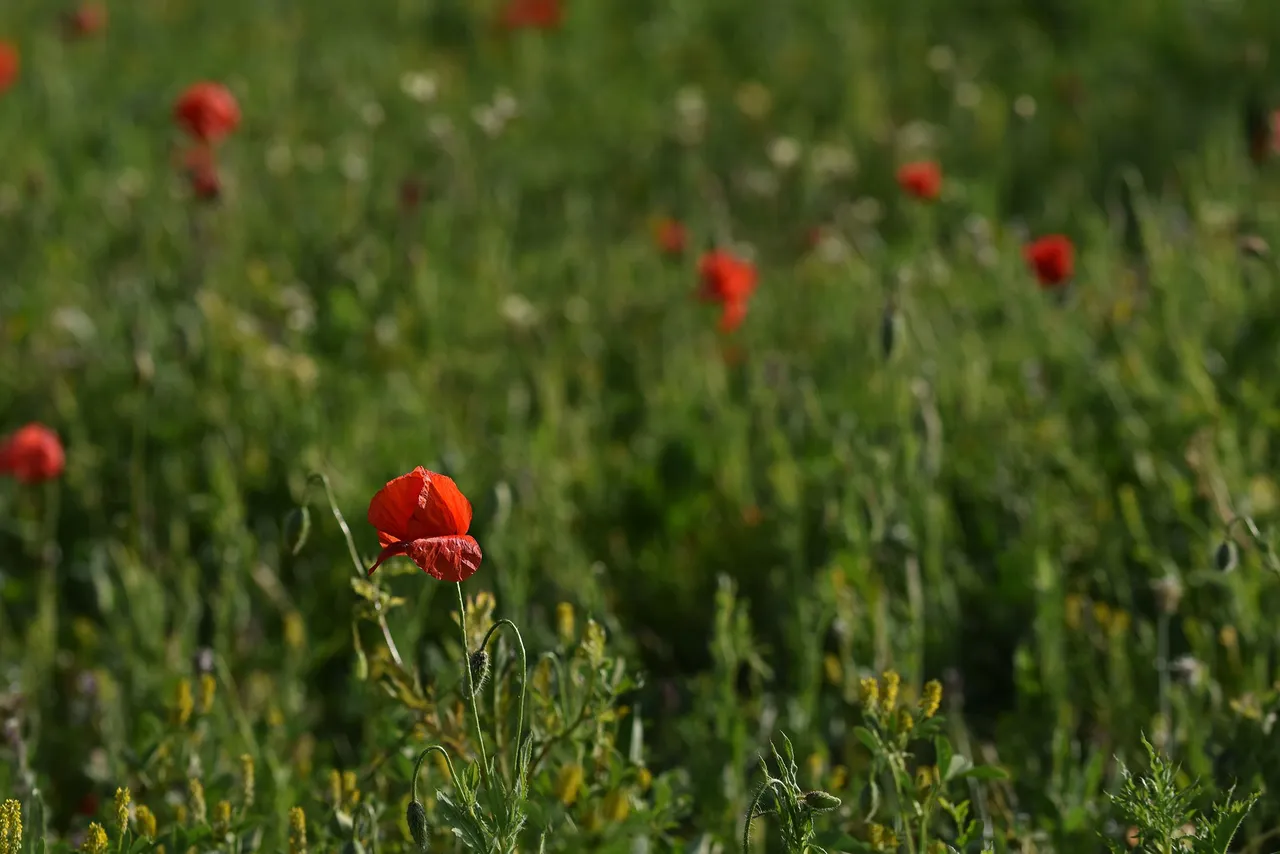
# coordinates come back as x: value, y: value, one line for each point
x: 931, y: 698
x: 568, y: 782
x: 145, y: 820
x: 95, y: 841
x: 183, y: 704
x: 297, y: 831
x: 122, y: 810
x: 208, y: 691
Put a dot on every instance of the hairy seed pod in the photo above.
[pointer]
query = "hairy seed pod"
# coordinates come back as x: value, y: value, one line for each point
x: 479, y: 664
x: 416, y: 817
x: 821, y: 801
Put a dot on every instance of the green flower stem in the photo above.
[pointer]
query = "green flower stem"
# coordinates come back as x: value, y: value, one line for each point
x: 422, y: 757
x: 471, y: 687
x: 524, y: 681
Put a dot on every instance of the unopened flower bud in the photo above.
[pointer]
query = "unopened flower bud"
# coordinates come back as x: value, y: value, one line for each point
x: 821, y: 801
x: 1225, y: 557
x: 479, y: 665
x: 416, y: 817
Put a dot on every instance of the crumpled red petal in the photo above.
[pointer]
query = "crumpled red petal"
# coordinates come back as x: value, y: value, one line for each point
x: 452, y: 558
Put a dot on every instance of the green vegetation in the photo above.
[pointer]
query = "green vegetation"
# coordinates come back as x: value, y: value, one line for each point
x: 922, y: 556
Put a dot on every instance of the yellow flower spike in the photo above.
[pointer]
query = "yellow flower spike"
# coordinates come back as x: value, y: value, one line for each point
x: 297, y: 831
x: 869, y: 693
x: 95, y: 840
x: 180, y: 814
x: 222, y: 818
x: 839, y: 778
x: 930, y: 698
x: 617, y: 806
x: 816, y: 765
x: 891, y: 681
x: 195, y: 800
x: 183, y: 704
x: 1102, y: 615
x: 11, y: 827
x: 350, y: 790
x: 295, y: 631
x: 335, y: 788
x: 145, y: 820
x: 644, y: 778
x: 247, y: 780
x: 566, y: 623
x: 906, y: 721
x: 568, y: 782
x: 122, y: 810
x: 208, y: 692
x: 593, y: 643
x: 831, y: 669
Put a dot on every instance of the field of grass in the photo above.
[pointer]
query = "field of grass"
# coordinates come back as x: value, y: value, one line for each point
x: 989, y: 561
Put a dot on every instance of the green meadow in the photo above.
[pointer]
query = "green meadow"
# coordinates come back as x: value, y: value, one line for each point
x: 926, y: 555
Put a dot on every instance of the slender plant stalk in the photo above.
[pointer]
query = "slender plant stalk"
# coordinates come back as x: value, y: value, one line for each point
x: 471, y: 687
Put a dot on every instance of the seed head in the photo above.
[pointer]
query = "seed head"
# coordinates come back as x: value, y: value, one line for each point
x: 416, y: 817
x: 95, y: 840
x: 145, y: 820
x: 1226, y: 556
x: 930, y: 698
x: 122, y: 811
x: 183, y: 703
x: 297, y: 831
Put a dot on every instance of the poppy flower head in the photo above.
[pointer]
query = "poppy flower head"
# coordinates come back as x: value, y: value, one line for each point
x: 85, y: 20
x: 1052, y: 259
x: 922, y: 179
x: 32, y: 454
x: 207, y: 111
x: 9, y: 64
x: 725, y: 278
x: 425, y: 517
x: 532, y: 14
x: 670, y: 235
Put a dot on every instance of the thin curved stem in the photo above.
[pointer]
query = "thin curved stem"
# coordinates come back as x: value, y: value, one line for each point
x: 422, y: 757
x: 524, y: 681
x: 471, y: 685
x: 355, y: 557
x: 766, y: 786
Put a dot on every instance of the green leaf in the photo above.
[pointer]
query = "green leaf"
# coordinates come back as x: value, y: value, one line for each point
x: 958, y: 764
x: 983, y: 772
x: 1229, y: 820
x: 868, y: 739
x: 943, y: 751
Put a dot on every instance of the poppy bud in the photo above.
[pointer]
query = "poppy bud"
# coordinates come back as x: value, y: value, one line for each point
x: 1225, y: 556
x: 821, y: 801
x: 888, y: 330
x: 479, y: 664
x: 416, y: 817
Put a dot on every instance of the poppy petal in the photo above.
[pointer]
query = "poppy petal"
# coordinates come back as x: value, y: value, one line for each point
x: 442, y: 510
x: 454, y: 558
x: 395, y: 504
x: 389, y: 551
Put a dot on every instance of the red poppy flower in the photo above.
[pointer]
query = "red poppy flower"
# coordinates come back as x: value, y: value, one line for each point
x: 922, y: 180
x: 86, y: 20
x: 671, y: 235
x: 725, y: 278
x: 207, y: 111
x: 32, y: 454
x: 424, y: 516
x: 1052, y: 259
x: 9, y: 63
x: 532, y: 14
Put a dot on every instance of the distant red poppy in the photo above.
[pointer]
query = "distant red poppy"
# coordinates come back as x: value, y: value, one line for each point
x: 532, y: 14
x: 86, y: 20
x: 1052, y: 259
x: 922, y: 180
x: 9, y: 64
x: 424, y: 516
x: 207, y: 111
x: 32, y: 454
x: 671, y: 235
x: 724, y: 277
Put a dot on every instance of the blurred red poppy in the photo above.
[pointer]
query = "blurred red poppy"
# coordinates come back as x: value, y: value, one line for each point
x: 424, y: 516
x: 9, y: 64
x: 532, y: 14
x: 207, y: 111
x: 671, y: 235
x: 86, y: 20
x: 724, y: 277
x: 1052, y: 259
x: 32, y: 454
x: 922, y: 180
